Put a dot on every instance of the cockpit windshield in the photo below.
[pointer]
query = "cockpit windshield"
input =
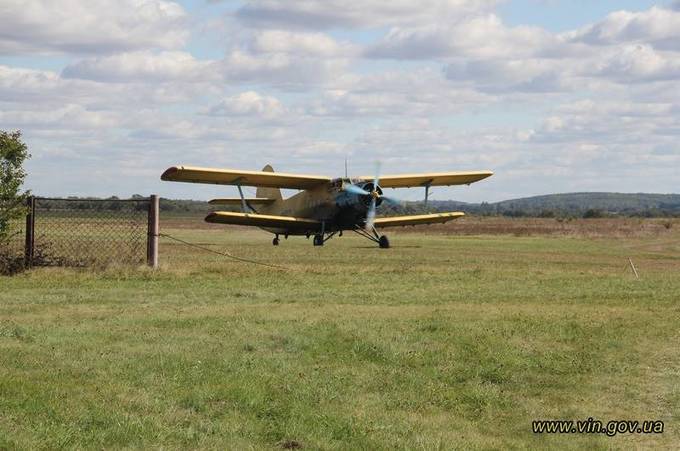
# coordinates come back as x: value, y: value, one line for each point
x: 339, y: 182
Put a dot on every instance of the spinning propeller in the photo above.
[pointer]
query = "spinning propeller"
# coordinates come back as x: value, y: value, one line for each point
x: 375, y: 195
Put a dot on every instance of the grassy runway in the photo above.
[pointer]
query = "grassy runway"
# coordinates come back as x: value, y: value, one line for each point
x: 444, y: 341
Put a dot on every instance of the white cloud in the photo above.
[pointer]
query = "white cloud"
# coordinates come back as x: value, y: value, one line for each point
x: 277, y: 58
x: 297, y: 43
x: 287, y: 59
x: 93, y: 26
x: 620, y: 131
x: 481, y: 36
x: 38, y: 88
x: 248, y: 103
x: 70, y: 116
x: 530, y: 75
x: 415, y: 93
x: 660, y: 26
x: 435, y: 85
x: 281, y: 69
x: 638, y: 63
x: 143, y: 66
x: 320, y: 14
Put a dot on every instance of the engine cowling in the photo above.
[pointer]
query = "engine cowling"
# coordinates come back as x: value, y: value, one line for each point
x: 375, y: 191
x: 350, y: 199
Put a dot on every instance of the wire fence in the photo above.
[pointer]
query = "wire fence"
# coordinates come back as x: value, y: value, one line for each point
x: 86, y: 232
x: 90, y: 232
x: 79, y: 232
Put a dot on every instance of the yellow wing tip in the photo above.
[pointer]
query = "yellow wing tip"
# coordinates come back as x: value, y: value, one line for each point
x: 168, y: 173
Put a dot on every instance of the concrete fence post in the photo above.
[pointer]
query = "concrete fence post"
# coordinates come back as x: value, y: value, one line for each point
x: 154, y: 231
x: 29, y: 249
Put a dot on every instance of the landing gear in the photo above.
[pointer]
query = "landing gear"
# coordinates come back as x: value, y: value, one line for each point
x: 275, y: 241
x: 322, y: 237
x: 372, y: 234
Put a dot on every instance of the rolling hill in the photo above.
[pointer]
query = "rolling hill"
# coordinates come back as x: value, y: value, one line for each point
x: 570, y: 204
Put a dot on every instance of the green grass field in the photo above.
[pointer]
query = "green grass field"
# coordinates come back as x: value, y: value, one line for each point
x: 444, y: 341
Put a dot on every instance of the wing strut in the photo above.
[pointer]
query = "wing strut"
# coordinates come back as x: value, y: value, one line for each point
x: 244, y: 204
x: 427, y: 193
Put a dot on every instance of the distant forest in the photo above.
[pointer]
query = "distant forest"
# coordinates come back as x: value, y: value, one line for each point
x: 585, y: 205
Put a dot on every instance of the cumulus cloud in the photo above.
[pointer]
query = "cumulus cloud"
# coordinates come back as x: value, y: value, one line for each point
x: 481, y: 36
x: 299, y: 43
x: 93, y: 26
x: 638, y: 63
x: 41, y: 88
x: 281, y: 69
x: 70, y: 116
x: 658, y: 25
x: 320, y: 14
x: 248, y: 103
x: 396, y: 93
x: 616, y: 133
x: 434, y: 85
x: 517, y: 75
x: 143, y: 66
x: 274, y: 57
x: 286, y: 59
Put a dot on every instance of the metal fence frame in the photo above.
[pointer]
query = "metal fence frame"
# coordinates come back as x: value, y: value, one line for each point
x: 153, y: 226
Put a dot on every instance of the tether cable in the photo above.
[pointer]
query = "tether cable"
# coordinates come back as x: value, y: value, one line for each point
x: 224, y: 254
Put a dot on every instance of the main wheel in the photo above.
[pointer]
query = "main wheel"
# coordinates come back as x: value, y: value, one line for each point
x: 318, y: 240
x: 275, y: 241
x: 383, y: 242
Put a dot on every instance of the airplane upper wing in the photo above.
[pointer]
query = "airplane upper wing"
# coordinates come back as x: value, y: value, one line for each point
x: 238, y: 201
x: 434, y: 179
x: 244, y: 178
x: 257, y: 220
x: 436, y: 218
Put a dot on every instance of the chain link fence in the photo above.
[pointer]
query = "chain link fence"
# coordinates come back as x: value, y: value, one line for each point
x: 77, y: 232
x: 82, y: 232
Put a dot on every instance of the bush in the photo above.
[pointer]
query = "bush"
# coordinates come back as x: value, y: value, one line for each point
x: 593, y: 213
x: 11, y: 264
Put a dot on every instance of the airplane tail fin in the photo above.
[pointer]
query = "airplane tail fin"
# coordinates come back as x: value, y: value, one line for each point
x: 269, y: 193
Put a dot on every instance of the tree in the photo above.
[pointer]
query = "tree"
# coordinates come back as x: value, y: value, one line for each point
x: 13, y: 154
x: 593, y: 213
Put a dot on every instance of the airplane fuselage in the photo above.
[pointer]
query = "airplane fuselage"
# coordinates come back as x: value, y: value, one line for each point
x: 335, y: 208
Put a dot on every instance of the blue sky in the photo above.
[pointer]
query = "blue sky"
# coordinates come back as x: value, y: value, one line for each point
x: 553, y: 95
x: 565, y: 15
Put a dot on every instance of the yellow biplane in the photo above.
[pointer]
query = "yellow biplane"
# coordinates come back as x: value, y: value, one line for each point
x: 324, y: 206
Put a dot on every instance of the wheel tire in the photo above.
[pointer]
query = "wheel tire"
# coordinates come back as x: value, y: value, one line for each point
x: 275, y: 241
x: 318, y: 240
x: 383, y: 242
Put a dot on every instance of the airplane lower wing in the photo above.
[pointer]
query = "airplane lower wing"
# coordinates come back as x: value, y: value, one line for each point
x: 292, y: 223
x: 257, y: 220
x: 436, y: 218
x: 434, y: 179
x: 243, y: 178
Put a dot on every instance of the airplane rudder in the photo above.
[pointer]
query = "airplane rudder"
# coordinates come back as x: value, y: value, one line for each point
x: 269, y: 193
